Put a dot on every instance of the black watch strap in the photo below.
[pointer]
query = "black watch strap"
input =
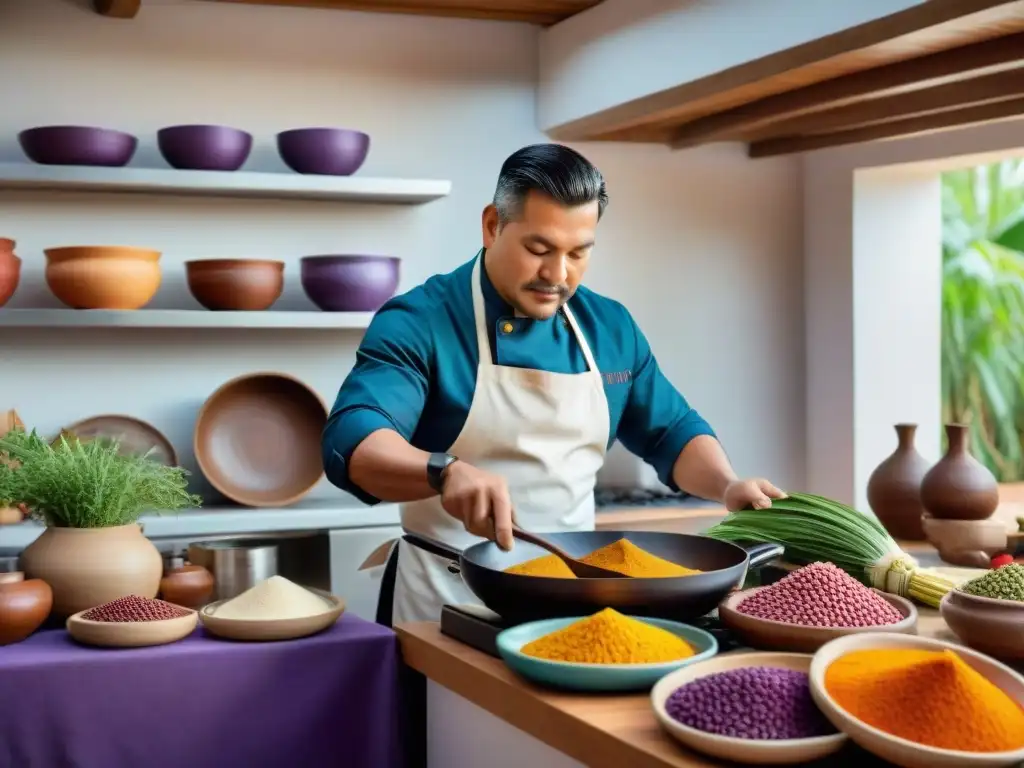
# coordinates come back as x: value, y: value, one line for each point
x: 436, y: 465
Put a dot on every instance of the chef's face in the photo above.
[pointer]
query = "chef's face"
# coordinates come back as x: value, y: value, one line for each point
x: 537, y: 260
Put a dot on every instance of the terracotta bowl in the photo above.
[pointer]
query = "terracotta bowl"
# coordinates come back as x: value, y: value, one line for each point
x: 995, y: 627
x: 235, y: 284
x: 902, y: 751
x: 257, y: 439
x: 190, y: 586
x: 780, y: 636
x: 10, y: 270
x: 969, y: 543
x: 24, y: 606
x: 102, y: 276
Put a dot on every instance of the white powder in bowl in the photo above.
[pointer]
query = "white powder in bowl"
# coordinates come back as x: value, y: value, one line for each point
x: 274, y: 599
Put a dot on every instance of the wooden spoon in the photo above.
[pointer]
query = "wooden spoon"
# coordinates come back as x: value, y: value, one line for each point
x: 580, y: 569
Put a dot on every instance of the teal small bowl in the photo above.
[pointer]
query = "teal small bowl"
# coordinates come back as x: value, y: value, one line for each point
x: 597, y: 677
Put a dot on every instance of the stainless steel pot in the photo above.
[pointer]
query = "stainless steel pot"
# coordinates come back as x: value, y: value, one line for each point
x: 236, y: 564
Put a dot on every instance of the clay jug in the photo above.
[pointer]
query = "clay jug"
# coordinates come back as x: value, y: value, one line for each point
x: 10, y: 270
x: 894, y: 489
x: 87, y: 567
x: 190, y: 586
x: 24, y: 606
x: 959, y: 487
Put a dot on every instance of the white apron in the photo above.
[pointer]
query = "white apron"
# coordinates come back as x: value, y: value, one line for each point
x: 545, y: 433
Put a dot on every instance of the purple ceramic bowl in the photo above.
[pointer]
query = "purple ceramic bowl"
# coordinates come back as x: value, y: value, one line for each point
x: 77, y: 145
x: 204, y: 147
x: 323, y: 151
x: 349, y: 283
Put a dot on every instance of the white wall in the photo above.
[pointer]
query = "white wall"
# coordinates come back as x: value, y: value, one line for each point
x: 704, y: 246
x: 622, y: 50
x: 872, y: 283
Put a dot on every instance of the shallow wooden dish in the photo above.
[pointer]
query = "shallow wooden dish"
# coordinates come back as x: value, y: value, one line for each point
x: 892, y: 748
x: 750, y: 751
x: 272, y: 629
x: 992, y: 626
x: 130, y: 634
x: 780, y: 636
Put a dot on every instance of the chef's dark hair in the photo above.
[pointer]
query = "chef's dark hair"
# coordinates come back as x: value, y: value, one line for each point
x: 555, y: 170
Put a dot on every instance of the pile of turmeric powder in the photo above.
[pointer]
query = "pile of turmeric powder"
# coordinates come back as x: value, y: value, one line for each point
x: 932, y: 698
x: 622, y: 556
x: 608, y: 637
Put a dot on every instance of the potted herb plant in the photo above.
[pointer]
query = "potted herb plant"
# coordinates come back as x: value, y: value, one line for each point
x: 90, y: 498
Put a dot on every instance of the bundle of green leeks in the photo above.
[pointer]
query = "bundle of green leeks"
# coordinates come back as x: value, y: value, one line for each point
x: 815, y: 529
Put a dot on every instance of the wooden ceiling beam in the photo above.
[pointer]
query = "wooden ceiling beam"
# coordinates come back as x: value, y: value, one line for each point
x: 978, y: 90
x: 721, y: 126
x: 117, y: 9
x: 983, y: 113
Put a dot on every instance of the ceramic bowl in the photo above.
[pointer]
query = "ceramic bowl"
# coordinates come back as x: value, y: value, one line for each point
x: 235, y: 284
x: 995, y: 627
x: 323, y: 151
x: 77, y: 145
x: 190, y: 586
x: 135, y: 437
x: 204, y: 147
x: 10, y: 270
x: 969, y: 543
x: 596, y: 677
x: 257, y: 439
x: 272, y: 629
x: 780, y: 636
x: 103, y: 276
x: 752, y: 752
x: 892, y: 748
x: 131, y: 634
x: 24, y: 606
x: 349, y: 283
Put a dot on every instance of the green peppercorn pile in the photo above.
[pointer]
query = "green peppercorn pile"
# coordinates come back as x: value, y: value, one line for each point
x: 1006, y: 583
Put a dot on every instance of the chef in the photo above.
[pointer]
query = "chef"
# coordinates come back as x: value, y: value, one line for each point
x: 488, y: 396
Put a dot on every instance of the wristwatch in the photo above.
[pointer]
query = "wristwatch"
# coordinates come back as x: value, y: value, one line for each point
x: 436, y: 465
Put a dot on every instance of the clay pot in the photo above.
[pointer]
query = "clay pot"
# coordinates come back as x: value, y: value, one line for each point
x: 959, y: 487
x: 10, y: 270
x: 24, y: 606
x: 87, y: 567
x: 235, y: 284
x: 190, y: 586
x: 894, y: 488
x: 103, y: 277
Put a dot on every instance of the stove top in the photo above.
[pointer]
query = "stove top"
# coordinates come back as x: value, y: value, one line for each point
x: 478, y: 628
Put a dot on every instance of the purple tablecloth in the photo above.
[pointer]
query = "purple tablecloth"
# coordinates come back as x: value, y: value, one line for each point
x: 322, y: 701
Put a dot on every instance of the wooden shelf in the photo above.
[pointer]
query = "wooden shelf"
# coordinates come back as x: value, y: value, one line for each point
x: 182, y: 318
x: 238, y: 184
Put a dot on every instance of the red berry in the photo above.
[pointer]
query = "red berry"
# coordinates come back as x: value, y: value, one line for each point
x: 1000, y: 560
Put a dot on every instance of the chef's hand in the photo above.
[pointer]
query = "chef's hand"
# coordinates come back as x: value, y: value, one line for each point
x: 480, y: 500
x: 757, y: 493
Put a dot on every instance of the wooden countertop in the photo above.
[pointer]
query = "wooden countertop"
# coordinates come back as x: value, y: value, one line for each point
x: 599, y: 731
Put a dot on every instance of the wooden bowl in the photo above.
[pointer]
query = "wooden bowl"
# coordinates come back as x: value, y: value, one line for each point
x: 272, y: 629
x: 235, y: 284
x: 995, y: 627
x: 899, y: 751
x: 102, y: 276
x: 257, y: 439
x: 969, y: 543
x: 782, y: 636
x: 24, y: 606
x: 130, y: 634
x: 750, y: 751
x: 190, y: 586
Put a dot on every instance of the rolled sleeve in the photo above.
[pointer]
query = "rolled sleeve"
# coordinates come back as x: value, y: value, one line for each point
x: 657, y: 422
x: 386, y: 388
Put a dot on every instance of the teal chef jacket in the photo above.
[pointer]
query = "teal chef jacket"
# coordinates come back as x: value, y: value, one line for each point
x: 415, y: 373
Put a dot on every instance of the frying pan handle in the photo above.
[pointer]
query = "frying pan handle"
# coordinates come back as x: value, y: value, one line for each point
x: 763, y: 553
x: 433, y: 547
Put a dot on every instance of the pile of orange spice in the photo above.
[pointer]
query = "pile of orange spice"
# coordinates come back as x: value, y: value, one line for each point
x: 622, y: 556
x: 932, y: 698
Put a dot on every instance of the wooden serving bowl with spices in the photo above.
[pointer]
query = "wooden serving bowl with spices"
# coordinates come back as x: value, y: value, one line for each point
x: 990, y: 625
x: 900, y: 751
x: 783, y: 636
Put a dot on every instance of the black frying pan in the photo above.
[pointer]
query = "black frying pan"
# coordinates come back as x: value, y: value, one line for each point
x: 519, y: 598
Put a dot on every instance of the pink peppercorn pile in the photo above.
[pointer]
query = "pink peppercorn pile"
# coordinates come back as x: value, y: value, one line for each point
x: 134, y: 608
x: 820, y: 595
